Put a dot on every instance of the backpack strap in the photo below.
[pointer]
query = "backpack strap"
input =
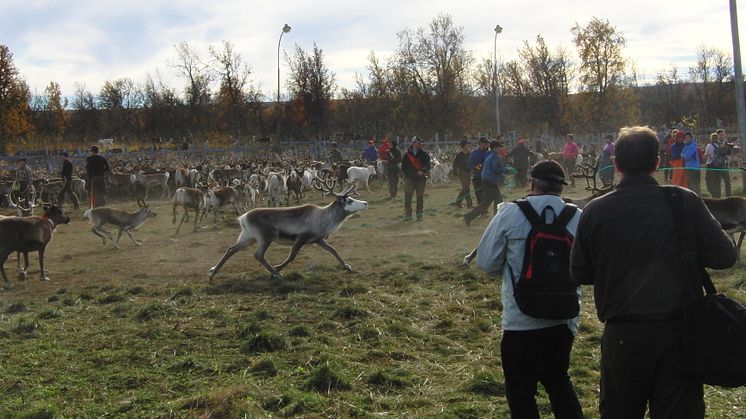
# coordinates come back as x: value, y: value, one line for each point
x: 566, y: 215
x: 675, y: 200
x: 528, y: 212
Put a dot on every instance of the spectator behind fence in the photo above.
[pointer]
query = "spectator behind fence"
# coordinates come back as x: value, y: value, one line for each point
x: 692, y: 164
x: 678, y: 173
x: 623, y: 248
x: 716, y: 154
x: 606, y: 165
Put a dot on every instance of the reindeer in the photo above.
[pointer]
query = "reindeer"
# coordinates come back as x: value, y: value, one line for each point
x: 29, y: 234
x: 124, y: 220
x: 189, y: 199
x: 294, y: 185
x: 219, y: 197
x: 588, y: 172
x: 298, y: 226
x: 731, y: 214
x: 153, y: 179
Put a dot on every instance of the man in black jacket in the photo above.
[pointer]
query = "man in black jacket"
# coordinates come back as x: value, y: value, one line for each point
x: 641, y: 284
x: 95, y: 168
x: 415, y: 165
x: 521, y: 157
x: 67, y: 179
x: 461, y: 171
x: 392, y: 171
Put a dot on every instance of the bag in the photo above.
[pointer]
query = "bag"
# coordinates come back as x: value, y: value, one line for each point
x: 714, y: 335
x: 545, y: 289
x: 721, y: 156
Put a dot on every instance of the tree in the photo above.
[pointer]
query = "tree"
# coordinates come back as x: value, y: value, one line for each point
x: 312, y: 85
x: 602, y: 74
x: 189, y: 66
x: 710, y: 76
x: 433, y: 70
x: 121, y: 100
x: 85, y: 118
x: 14, y: 102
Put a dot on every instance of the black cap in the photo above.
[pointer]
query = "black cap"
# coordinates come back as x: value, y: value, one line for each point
x: 495, y: 144
x: 483, y: 140
x: 94, y: 149
x: 463, y: 143
x: 548, y: 170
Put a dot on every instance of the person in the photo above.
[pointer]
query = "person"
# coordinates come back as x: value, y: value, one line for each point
x: 539, y: 147
x: 383, y: 150
x: 96, y: 167
x: 606, y: 167
x: 461, y: 171
x: 520, y: 155
x: 476, y: 161
x: 370, y: 154
x: 569, y: 156
x: 716, y: 162
x: 392, y: 171
x: 67, y: 178
x: 623, y: 248
x: 692, y: 165
x: 668, y: 174
x: 493, y: 175
x: 335, y: 156
x: 676, y: 161
x: 415, y: 165
x: 532, y: 350
x: 24, y: 178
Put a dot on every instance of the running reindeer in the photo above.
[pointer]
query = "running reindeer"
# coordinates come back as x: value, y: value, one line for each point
x: 586, y: 171
x: 124, y: 220
x: 296, y: 226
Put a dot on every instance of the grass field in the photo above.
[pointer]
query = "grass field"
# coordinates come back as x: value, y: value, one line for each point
x: 139, y: 332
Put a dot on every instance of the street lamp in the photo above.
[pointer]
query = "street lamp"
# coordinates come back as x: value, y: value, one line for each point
x: 285, y: 29
x: 498, y: 30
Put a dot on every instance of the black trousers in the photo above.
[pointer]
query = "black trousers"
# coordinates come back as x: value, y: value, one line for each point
x: 522, y: 174
x: 67, y: 190
x: 541, y: 356
x: 569, y: 166
x: 490, y: 195
x: 641, y: 364
x: 96, y: 186
x: 478, y: 192
x: 464, y: 194
x: 713, y: 178
x: 412, y: 186
x: 392, y: 174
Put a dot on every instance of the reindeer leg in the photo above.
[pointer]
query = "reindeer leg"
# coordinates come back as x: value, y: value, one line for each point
x: 119, y: 235
x: 259, y: 255
x: 137, y: 243
x: 3, y: 257
x: 740, y: 241
x: 243, y: 241
x: 326, y: 246
x: 43, y: 276
x: 293, y: 253
x: 95, y: 231
x: 26, y: 264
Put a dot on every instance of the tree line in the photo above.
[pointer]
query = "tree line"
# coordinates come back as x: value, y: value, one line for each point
x: 430, y: 85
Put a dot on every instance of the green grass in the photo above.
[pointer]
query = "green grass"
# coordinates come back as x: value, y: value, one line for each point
x: 409, y: 333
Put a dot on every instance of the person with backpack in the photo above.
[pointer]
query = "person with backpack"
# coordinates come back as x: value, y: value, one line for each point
x: 716, y: 155
x: 528, y: 243
x: 642, y: 282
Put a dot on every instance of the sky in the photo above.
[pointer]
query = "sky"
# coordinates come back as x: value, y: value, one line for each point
x: 90, y: 42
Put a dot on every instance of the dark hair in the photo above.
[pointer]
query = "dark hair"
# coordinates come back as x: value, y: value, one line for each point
x: 720, y: 131
x: 546, y: 187
x: 636, y: 150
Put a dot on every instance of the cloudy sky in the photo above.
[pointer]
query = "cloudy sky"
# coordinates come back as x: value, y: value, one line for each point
x: 90, y: 41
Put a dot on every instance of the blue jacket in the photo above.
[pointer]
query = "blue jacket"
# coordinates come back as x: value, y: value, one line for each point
x: 494, y: 169
x: 476, y: 160
x: 690, y: 154
x: 370, y: 154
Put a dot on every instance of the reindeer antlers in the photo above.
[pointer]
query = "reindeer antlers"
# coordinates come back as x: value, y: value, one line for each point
x: 324, y: 182
x: 588, y: 172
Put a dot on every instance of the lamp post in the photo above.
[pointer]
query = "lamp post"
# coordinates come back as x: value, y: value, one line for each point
x: 498, y: 30
x: 285, y: 29
x: 740, y: 106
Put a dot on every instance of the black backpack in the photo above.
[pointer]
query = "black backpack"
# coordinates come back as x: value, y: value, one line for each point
x: 545, y: 289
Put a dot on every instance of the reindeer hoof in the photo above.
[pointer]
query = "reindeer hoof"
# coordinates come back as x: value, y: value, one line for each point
x: 347, y: 267
x: 21, y: 276
x: 211, y: 274
x: 276, y: 275
x: 138, y: 244
x: 44, y: 278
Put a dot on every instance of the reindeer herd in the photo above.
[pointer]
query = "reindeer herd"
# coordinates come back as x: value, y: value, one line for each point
x: 254, y: 189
